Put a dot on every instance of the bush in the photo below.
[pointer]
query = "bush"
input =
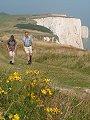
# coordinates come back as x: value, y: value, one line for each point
x: 33, y: 27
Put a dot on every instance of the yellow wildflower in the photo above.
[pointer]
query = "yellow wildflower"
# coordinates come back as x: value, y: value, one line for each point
x: 52, y: 110
x: 2, y: 91
x: 36, y: 72
x: 56, y: 110
x: 47, y: 80
x: 15, y: 76
x: 7, y: 81
x: 29, y: 71
x: 33, y: 96
x: 33, y: 84
x: 48, y: 109
x: 32, y: 72
x: 44, y: 91
x: 39, y: 102
x: 16, y: 117
x: 49, y: 91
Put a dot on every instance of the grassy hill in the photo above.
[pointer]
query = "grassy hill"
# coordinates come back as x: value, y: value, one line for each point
x: 69, y: 72
x: 66, y: 66
x: 55, y: 87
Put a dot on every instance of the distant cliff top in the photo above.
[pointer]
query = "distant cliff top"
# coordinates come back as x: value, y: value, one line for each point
x: 52, y: 15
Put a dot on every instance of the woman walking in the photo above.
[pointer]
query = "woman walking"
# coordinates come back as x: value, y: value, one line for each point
x: 11, y: 45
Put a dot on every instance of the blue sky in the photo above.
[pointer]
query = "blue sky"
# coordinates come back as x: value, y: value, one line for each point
x: 76, y: 8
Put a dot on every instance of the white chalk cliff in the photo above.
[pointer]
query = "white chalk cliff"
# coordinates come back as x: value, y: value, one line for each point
x: 69, y: 30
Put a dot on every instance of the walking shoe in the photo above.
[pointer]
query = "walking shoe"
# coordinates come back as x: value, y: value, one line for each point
x: 29, y: 62
x: 11, y: 62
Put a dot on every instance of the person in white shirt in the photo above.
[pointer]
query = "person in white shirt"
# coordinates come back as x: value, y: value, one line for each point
x: 27, y: 42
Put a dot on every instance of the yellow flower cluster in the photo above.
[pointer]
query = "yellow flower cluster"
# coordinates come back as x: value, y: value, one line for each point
x: 36, y: 72
x: 46, y: 91
x: 14, y: 117
x: 52, y: 110
x: 29, y: 71
x: 39, y: 102
x: 15, y: 76
x: 34, y: 83
x: 46, y: 80
x: 37, y: 99
x: 33, y: 96
x: 2, y: 91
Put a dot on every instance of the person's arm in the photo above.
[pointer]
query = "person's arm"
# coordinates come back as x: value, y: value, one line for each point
x: 8, y: 48
x: 31, y: 38
x: 23, y: 40
x: 8, y: 45
x: 15, y: 46
x: 32, y: 42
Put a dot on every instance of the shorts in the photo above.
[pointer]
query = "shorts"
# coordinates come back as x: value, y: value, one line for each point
x: 28, y: 49
x: 11, y: 53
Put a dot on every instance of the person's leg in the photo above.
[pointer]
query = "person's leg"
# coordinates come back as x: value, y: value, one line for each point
x: 13, y: 56
x: 28, y: 51
x: 10, y: 55
x: 27, y: 54
x: 30, y: 59
x: 30, y: 54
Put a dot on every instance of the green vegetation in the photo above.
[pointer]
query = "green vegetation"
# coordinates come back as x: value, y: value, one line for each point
x: 33, y: 27
x: 30, y: 92
x: 27, y: 94
x: 7, y: 22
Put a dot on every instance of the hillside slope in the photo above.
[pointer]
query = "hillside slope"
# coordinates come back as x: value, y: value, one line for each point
x: 55, y: 87
x: 65, y: 66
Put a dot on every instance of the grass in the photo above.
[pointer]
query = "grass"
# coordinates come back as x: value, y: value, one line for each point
x: 24, y: 94
x: 6, y: 21
x: 69, y: 68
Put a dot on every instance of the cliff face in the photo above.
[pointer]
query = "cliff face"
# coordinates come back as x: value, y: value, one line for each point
x: 69, y: 30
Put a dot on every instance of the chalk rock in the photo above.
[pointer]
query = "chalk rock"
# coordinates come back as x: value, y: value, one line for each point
x: 69, y: 30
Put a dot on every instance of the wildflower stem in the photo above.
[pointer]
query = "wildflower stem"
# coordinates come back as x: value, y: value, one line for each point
x: 8, y: 108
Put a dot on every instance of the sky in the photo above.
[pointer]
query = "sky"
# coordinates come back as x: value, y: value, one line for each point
x: 76, y: 8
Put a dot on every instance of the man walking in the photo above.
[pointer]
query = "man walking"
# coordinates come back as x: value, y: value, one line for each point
x: 27, y: 42
x: 11, y: 45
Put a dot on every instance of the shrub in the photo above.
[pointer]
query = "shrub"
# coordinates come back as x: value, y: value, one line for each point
x: 33, y: 27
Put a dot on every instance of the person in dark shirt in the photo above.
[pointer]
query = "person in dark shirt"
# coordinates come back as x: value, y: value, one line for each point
x: 11, y: 45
